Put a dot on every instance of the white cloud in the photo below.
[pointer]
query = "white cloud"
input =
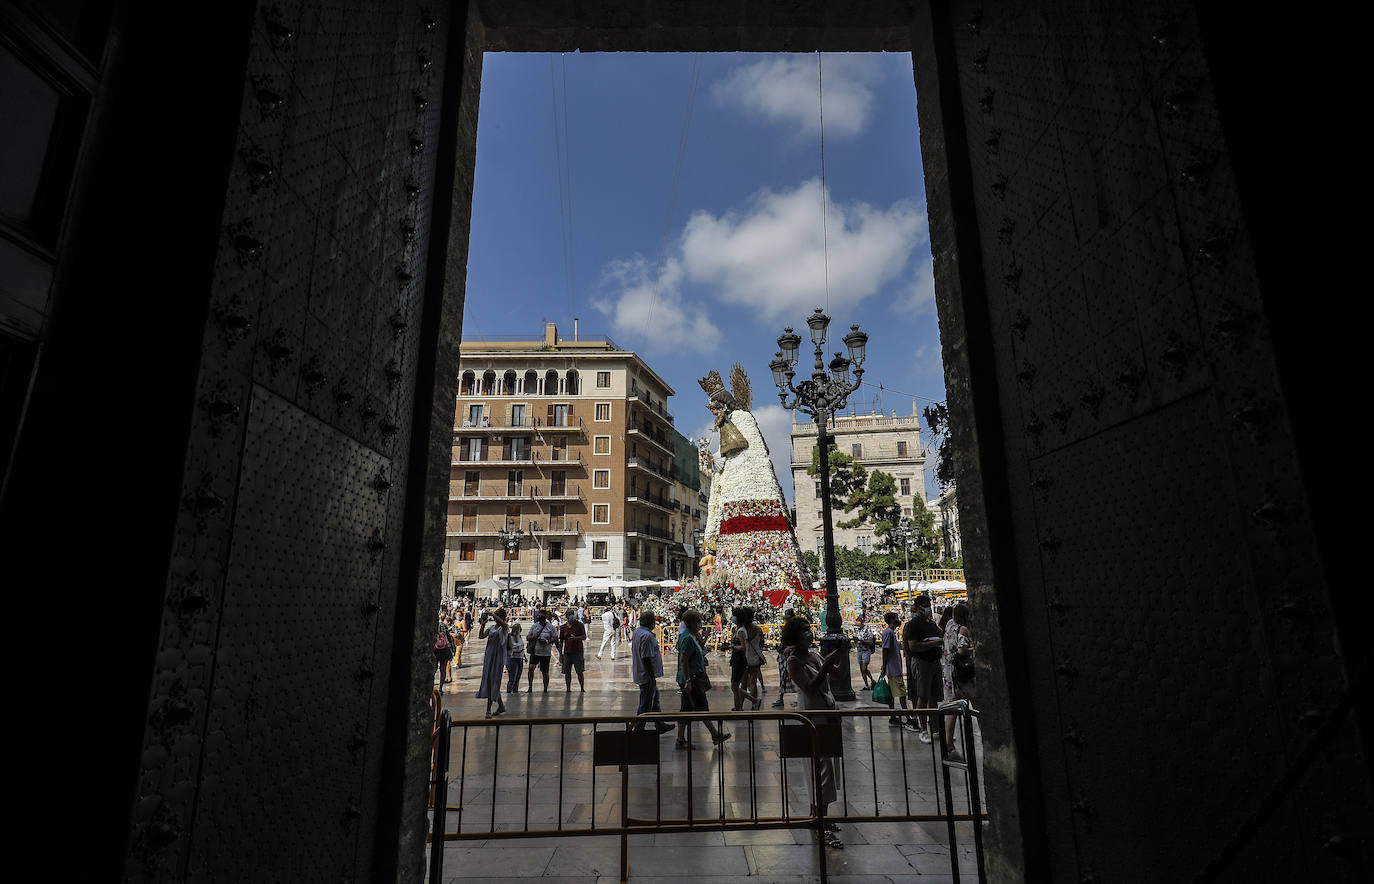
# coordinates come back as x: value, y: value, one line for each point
x: 784, y: 90
x: 651, y: 309
x: 772, y: 257
x: 919, y: 297
x: 775, y: 423
x: 927, y: 359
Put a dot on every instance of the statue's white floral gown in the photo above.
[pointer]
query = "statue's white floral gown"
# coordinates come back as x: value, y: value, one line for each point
x: 747, y: 515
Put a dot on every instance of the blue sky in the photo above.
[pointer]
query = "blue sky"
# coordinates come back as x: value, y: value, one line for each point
x: 695, y: 251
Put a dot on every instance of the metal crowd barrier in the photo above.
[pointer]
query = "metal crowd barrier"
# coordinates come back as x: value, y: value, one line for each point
x: 812, y: 735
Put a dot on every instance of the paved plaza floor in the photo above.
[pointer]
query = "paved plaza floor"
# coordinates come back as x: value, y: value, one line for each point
x: 534, y: 776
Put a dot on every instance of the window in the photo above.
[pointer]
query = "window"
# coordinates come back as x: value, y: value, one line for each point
x: 469, y: 518
x: 603, y: 412
x: 515, y: 485
x: 660, y: 555
x: 603, y: 379
x: 601, y: 445
x: 474, y: 416
x: 818, y: 490
x: 512, y: 515
x: 555, y: 551
x: 510, y: 555
x: 556, y: 516
x: 820, y: 546
x: 560, y: 415
x: 470, y: 483
x: 632, y: 552
x: 865, y: 544
x: 906, y: 510
x: 856, y: 450
x: 517, y: 415
x: 467, y: 552
x: 601, y: 478
x: 901, y: 449
x: 906, y: 486
x: 558, y: 482
x: 475, y: 448
x: 519, y: 448
x: 558, y: 448
x: 599, y: 550
x: 601, y: 513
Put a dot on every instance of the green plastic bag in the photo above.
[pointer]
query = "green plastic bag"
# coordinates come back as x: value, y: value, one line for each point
x: 881, y: 692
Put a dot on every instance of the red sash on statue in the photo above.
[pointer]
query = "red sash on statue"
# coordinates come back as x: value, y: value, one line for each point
x: 741, y: 524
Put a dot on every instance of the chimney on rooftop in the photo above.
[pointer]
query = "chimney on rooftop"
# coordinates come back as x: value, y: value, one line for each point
x: 550, y: 334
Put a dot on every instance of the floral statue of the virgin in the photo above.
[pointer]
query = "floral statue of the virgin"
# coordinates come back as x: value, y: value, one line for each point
x: 747, y: 527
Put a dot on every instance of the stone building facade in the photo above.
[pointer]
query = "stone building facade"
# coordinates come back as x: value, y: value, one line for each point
x: 571, y: 441
x: 889, y: 443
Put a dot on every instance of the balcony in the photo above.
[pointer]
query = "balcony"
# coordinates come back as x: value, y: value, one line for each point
x: 505, y: 461
x: 490, y: 423
x: 560, y: 457
x: 555, y: 527
x: 656, y: 501
x: 555, y: 492
x: 648, y: 531
x: 643, y: 399
x: 641, y: 432
x: 520, y: 491
x: 567, y: 425
x: 649, y: 467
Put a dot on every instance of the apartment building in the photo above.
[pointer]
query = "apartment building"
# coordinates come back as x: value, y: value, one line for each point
x: 572, y: 442
x: 890, y: 443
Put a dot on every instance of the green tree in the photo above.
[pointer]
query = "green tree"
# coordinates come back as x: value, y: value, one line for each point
x: 937, y: 420
x: 877, y: 505
x: 846, y: 476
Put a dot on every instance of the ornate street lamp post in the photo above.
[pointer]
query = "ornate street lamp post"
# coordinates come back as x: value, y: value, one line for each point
x: 903, y: 532
x: 510, y: 540
x: 821, y: 396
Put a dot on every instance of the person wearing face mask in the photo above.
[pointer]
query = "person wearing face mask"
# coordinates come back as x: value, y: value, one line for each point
x: 810, y: 672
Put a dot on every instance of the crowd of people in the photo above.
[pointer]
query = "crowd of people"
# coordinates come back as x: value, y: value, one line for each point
x: 922, y: 659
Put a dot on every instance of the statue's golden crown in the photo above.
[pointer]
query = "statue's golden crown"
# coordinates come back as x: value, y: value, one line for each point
x: 712, y: 383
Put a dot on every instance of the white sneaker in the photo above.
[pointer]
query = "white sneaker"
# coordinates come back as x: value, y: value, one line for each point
x: 923, y: 736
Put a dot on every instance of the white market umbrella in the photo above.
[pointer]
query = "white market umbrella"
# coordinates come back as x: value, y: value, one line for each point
x: 639, y: 583
x: 908, y: 584
x: 668, y: 583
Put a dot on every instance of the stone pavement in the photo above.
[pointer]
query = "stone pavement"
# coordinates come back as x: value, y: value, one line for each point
x: 878, y: 851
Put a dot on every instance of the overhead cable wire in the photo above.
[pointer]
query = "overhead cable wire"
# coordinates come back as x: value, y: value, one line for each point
x: 656, y: 280
x: 558, y: 153
x: 825, y: 233
x: 567, y: 165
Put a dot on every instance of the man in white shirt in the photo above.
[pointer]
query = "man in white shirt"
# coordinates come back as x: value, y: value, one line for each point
x: 646, y: 667
x: 610, y: 623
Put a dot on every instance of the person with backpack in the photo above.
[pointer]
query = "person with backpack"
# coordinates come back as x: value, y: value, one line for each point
x: 610, y: 623
x: 542, y: 638
x: 571, y: 636
x: 443, y: 652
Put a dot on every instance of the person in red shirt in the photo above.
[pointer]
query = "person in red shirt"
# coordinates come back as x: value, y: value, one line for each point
x: 571, y: 636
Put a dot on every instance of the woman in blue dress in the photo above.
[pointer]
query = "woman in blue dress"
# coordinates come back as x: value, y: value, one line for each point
x: 494, y: 662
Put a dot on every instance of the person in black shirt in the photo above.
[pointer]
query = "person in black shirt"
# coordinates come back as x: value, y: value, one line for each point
x: 923, y: 643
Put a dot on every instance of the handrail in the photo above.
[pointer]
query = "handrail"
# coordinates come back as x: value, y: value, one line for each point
x: 625, y: 744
